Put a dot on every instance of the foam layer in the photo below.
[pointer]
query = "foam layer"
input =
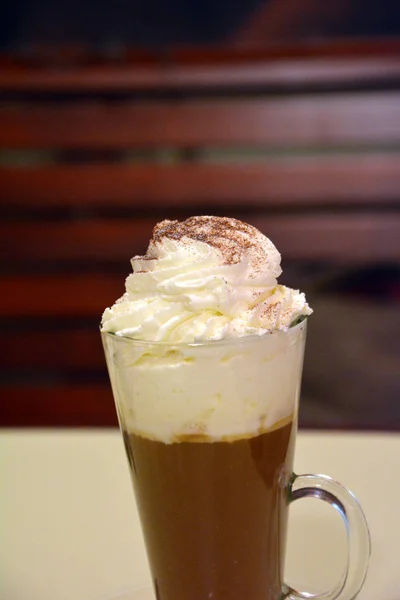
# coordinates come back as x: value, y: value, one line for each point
x: 220, y: 390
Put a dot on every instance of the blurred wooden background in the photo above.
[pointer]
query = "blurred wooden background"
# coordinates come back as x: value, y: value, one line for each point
x: 301, y: 141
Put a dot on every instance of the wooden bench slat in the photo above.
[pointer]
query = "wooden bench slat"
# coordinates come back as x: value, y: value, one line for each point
x: 302, y: 65
x: 71, y: 349
x: 62, y: 406
x: 302, y: 121
x: 307, y: 180
x: 348, y: 237
x: 80, y: 240
x: 58, y: 295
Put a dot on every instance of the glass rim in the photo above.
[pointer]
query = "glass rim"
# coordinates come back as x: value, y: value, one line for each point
x: 205, y: 343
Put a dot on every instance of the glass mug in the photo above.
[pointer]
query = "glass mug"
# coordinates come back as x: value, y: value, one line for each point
x: 209, y: 430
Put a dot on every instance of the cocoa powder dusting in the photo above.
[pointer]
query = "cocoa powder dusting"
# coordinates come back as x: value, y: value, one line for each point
x: 231, y: 237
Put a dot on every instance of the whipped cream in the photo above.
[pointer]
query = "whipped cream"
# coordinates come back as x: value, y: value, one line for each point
x: 206, y: 278
x: 213, y: 391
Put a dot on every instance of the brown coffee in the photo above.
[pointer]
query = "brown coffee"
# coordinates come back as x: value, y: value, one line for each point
x: 214, y: 513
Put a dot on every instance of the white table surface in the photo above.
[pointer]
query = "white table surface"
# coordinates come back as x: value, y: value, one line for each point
x: 69, y: 528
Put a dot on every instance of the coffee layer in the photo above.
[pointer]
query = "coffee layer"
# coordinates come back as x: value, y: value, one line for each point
x: 214, y: 515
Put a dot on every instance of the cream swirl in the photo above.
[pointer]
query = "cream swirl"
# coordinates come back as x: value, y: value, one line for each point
x: 206, y: 278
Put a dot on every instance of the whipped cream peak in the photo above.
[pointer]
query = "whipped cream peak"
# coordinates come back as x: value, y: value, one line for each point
x: 233, y: 240
x: 206, y: 278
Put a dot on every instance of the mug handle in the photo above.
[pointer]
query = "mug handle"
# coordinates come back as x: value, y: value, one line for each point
x: 358, y: 537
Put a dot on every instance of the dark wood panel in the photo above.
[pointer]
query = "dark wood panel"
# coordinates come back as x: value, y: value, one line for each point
x: 58, y: 295
x: 74, y: 54
x: 302, y: 65
x: 335, y: 237
x: 347, y: 238
x: 301, y: 121
x: 306, y: 180
x: 62, y: 406
x: 81, y: 240
x: 73, y: 349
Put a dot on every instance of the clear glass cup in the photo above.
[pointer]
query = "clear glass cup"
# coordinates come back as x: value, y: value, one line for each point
x: 209, y: 431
